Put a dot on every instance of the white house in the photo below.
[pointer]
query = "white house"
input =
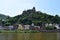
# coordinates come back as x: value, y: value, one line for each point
x: 32, y: 24
x: 37, y: 26
x: 10, y: 27
x: 50, y: 24
x: 57, y: 26
x: 26, y: 27
x: 20, y: 26
x: 1, y: 27
x: 46, y: 24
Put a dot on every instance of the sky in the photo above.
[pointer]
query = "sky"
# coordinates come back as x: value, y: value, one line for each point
x: 16, y: 7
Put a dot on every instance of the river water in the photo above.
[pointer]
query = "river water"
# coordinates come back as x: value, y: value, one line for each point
x: 29, y: 36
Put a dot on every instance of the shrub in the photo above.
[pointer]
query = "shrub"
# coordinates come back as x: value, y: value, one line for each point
x: 49, y: 28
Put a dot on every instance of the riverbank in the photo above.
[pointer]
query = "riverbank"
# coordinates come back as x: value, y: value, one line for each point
x: 57, y: 30
x: 19, y: 31
x: 27, y: 31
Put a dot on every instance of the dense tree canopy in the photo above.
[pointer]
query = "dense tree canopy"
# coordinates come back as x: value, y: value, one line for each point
x: 32, y: 16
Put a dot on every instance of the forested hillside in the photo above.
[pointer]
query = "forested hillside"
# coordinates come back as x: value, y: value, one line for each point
x: 32, y: 16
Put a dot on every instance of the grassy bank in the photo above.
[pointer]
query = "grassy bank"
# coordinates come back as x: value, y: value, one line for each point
x: 18, y: 31
x: 27, y: 31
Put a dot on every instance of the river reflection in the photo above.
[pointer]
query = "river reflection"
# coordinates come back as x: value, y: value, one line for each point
x: 29, y: 36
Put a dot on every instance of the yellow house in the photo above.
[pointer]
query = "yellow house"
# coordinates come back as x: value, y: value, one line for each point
x: 20, y: 27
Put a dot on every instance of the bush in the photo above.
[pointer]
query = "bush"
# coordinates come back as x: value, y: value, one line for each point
x: 34, y: 31
x: 49, y: 28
